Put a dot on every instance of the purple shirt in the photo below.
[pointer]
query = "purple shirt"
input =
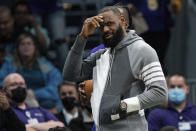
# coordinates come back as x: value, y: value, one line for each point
x: 159, y: 118
x: 41, y: 114
x: 101, y: 46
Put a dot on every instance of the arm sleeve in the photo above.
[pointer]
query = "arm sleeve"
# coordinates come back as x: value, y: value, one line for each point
x: 48, y: 115
x: 12, y: 122
x: 146, y: 67
x: 75, y: 68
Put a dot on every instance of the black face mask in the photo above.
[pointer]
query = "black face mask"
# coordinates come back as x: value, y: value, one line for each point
x: 116, y: 38
x: 19, y: 94
x: 69, y: 103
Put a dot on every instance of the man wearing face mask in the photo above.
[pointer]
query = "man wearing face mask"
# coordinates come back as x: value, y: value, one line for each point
x: 36, y: 118
x: 179, y: 112
x: 71, y: 114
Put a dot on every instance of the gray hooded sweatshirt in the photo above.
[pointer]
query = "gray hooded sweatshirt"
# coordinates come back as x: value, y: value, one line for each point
x: 131, y: 72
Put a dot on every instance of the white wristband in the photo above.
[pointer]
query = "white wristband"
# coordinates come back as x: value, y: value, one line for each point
x: 132, y: 104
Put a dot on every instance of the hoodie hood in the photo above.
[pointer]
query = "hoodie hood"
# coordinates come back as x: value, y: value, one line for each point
x: 128, y: 39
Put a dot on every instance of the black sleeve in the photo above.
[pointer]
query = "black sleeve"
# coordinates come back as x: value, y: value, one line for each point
x: 12, y: 122
x: 2, y: 119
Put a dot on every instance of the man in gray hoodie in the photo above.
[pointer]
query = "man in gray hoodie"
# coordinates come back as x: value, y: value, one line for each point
x: 127, y: 75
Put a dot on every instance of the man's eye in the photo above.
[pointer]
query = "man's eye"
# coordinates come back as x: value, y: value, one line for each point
x: 109, y: 24
x: 101, y: 27
x: 172, y: 86
x: 63, y: 94
x: 180, y: 86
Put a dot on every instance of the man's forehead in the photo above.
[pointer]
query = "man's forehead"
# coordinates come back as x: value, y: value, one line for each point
x: 17, y: 79
x: 14, y: 78
x: 177, y: 80
x: 68, y: 87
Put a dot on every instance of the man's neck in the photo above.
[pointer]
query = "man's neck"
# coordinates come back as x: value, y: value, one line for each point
x: 20, y: 105
x: 180, y: 107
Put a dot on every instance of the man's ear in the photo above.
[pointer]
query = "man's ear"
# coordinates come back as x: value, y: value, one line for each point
x: 122, y: 21
x: 187, y: 89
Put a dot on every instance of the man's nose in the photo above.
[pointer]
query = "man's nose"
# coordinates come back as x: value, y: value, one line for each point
x: 67, y: 95
x: 105, y: 29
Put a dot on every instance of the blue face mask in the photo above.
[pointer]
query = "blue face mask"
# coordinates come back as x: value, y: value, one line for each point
x: 177, y: 95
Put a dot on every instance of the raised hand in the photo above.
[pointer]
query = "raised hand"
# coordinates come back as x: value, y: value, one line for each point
x: 4, y: 104
x: 90, y: 25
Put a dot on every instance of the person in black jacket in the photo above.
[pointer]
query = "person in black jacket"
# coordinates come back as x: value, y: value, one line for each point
x: 71, y: 114
x: 8, y: 119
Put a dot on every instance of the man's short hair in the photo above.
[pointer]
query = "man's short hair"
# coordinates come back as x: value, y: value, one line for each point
x: 177, y: 75
x: 69, y: 83
x: 114, y: 9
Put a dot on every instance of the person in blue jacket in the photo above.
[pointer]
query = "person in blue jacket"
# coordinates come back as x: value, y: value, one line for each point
x: 39, y: 73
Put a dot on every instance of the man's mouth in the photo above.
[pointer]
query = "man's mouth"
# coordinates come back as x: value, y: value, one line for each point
x: 108, y: 36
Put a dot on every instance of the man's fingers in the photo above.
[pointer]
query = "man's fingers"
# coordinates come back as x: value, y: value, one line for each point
x: 94, y: 21
x: 99, y: 18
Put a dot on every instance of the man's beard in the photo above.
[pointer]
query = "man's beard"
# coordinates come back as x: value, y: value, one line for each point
x: 115, y: 39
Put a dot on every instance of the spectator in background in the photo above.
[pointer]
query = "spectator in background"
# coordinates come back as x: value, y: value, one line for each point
x: 52, y: 14
x: 8, y: 119
x: 25, y: 21
x: 71, y: 114
x: 7, y: 35
x: 37, y: 118
x: 179, y: 112
x: 40, y: 75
